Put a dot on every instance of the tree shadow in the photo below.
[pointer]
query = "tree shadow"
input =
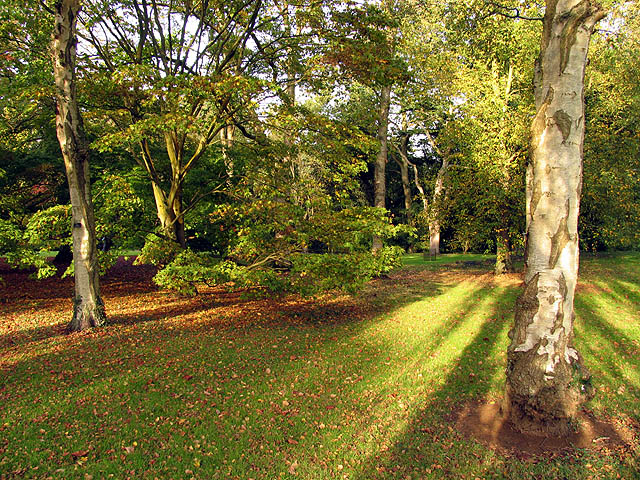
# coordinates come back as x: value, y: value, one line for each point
x: 425, y: 447
x: 153, y: 359
x: 126, y: 283
x: 429, y: 427
x: 612, y: 344
x: 150, y: 352
x: 166, y: 314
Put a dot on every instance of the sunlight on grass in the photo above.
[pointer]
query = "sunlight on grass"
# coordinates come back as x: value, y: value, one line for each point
x: 608, y: 334
x: 446, y: 258
x: 333, y: 388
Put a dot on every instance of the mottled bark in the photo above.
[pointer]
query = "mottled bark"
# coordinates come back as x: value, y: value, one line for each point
x: 379, y: 185
x: 88, y: 308
x: 546, y: 381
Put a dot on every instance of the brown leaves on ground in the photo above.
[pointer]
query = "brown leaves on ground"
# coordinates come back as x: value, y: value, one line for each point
x: 39, y: 310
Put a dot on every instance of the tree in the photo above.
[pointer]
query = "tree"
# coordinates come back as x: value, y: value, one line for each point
x: 427, y: 99
x: 402, y: 159
x: 366, y: 48
x: 480, y: 135
x: 546, y: 380
x: 173, y: 76
x: 610, y: 204
x: 487, y: 184
x: 88, y: 307
x: 31, y: 175
x: 379, y: 181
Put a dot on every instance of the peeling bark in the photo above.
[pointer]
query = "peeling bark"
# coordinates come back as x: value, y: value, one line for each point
x: 546, y: 381
x: 88, y: 308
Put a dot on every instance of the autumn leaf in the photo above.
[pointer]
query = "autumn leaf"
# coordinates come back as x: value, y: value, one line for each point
x: 80, y: 453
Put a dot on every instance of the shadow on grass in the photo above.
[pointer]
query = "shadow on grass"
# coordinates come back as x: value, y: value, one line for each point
x: 228, y: 307
x: 19, y: 292
x: 623, y: 292
x: 611, y: 344
x: 163, y: 371
x: 270, y: 383
x: 426, y: 447
x: 228, y: 311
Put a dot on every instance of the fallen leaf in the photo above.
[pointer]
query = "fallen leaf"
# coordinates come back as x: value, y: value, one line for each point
x: 79, y: 453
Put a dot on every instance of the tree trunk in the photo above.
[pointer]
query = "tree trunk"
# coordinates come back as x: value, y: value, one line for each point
x: 403, y: 163
x: 504, y: 260
x: 434, y: 237
x: 423, y: 195
x: 226, y: 142
x: 404, y: 175
x: 88, y: 307
x: 546, y: 382
x: 379, y: 185
x: 169, y: 212
x: 438, y: 190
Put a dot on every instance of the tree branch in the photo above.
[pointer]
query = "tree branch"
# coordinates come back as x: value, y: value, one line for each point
x: 503, y: 10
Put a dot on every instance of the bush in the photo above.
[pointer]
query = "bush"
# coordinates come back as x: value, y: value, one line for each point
x: 308, y: 274
x: 189, y: 268
x: 157, y: 251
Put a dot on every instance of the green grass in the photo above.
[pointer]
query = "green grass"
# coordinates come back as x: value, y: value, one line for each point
x: 328, y: 389
x: 446, y: 258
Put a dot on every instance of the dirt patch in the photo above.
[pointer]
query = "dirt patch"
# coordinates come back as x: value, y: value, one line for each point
x: 484, y: 422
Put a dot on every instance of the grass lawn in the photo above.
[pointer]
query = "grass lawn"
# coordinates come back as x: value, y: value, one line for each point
x: 220, y: 386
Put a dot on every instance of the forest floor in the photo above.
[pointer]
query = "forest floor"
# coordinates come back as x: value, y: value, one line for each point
x: 402, y: 381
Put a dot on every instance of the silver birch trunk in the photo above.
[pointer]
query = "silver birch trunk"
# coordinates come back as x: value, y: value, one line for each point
x: 379, y: 181
x: 546, y: 382
x: 88, y: 308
